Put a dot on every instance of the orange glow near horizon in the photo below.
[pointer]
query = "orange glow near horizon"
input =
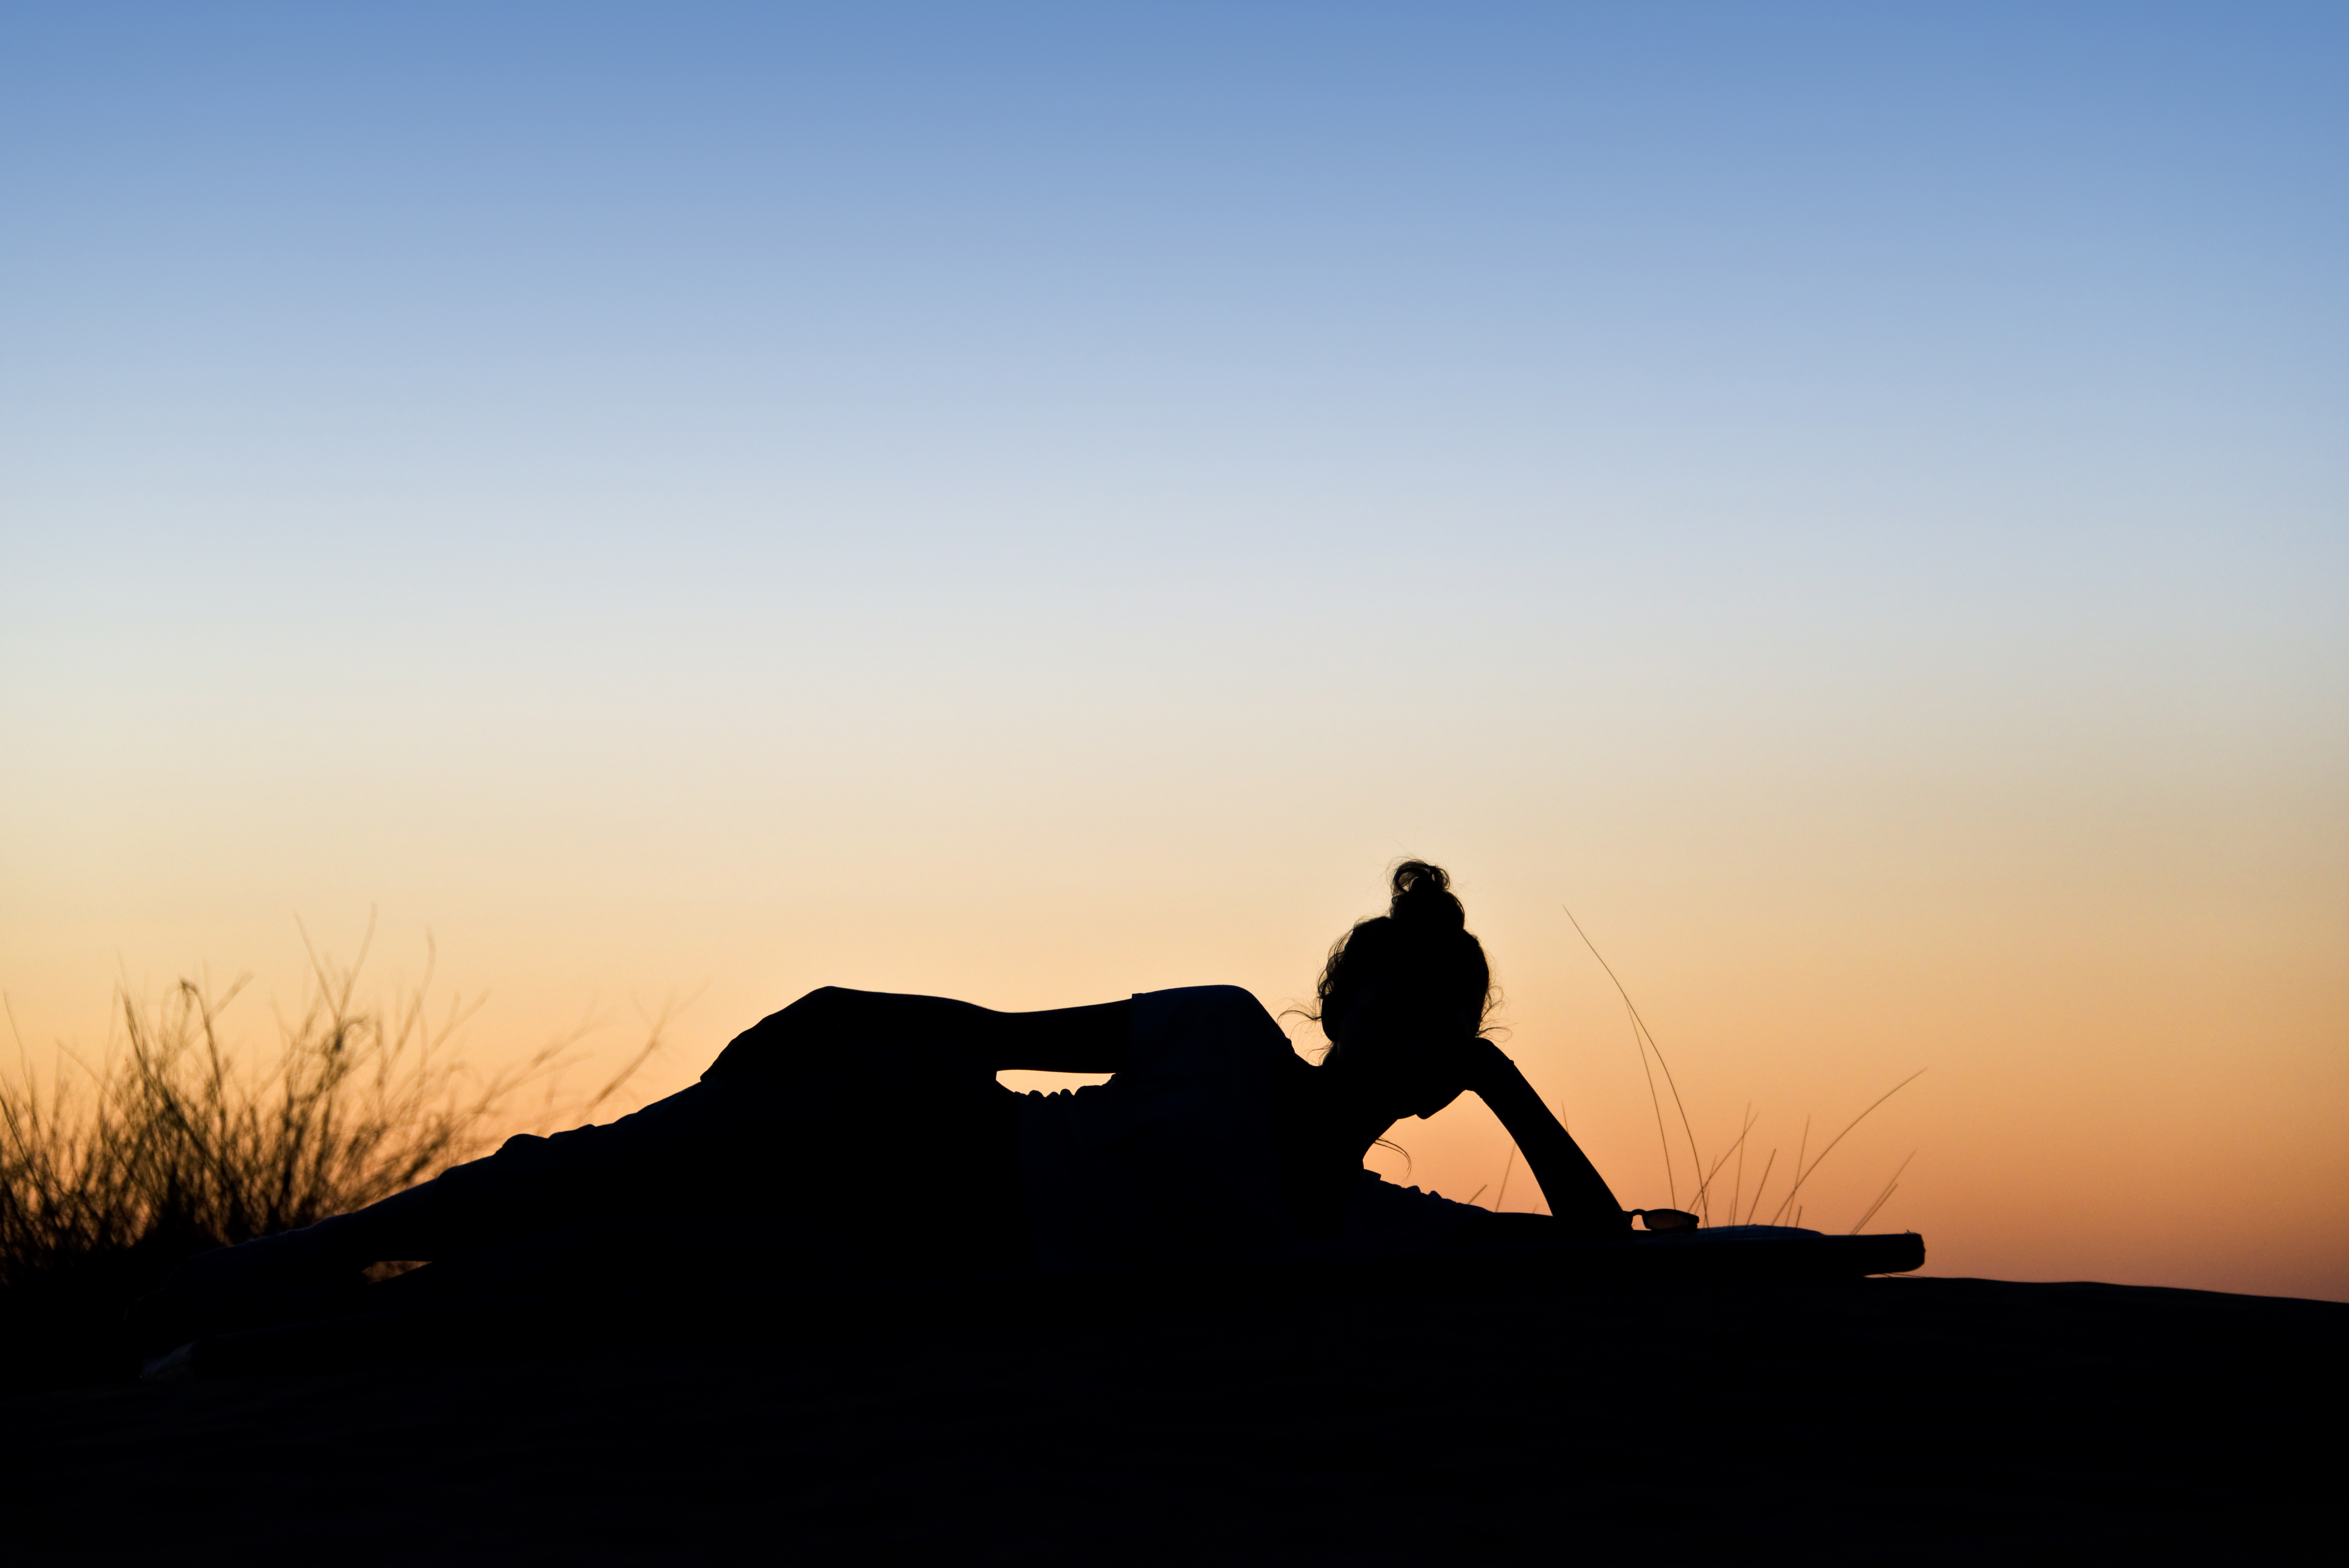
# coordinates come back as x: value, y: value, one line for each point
x: 2116, y: 1087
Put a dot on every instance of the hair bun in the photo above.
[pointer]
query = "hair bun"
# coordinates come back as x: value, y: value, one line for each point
x: 1420, y: 952
x: 1424, y: 898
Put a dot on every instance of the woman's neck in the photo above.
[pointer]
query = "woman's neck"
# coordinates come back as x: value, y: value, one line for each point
x: 1322, y: 1128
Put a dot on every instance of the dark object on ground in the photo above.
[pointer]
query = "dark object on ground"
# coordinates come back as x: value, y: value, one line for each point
x: 1393, y: 1414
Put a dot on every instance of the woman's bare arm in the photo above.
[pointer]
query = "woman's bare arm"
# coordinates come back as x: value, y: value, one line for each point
x: 1578, y: 1196
x: 1090, y: 1039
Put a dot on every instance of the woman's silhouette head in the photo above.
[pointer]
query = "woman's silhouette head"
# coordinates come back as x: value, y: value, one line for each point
x: 1418, y: 957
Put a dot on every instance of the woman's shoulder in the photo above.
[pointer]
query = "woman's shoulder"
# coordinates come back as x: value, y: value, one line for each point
x: 1192, y: 1020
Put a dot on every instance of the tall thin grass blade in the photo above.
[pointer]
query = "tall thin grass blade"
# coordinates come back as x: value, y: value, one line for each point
x: 1641, y: 1035
x: 1762, y: 1186
x: 1737, y: 1189
x: 1801, y: 1148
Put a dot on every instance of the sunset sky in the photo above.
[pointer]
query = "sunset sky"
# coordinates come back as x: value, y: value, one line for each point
x: 1039, y: 503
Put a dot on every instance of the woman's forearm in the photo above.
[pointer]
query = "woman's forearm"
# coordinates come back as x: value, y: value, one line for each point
x: 1090, y: 1039
x: 1577, y: 1193
x: 834, y: 1019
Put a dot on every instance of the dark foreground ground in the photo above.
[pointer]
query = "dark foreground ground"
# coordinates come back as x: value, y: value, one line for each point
x: 1377, y: 1417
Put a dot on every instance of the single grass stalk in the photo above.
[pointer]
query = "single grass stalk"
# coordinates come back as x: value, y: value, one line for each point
x: 1801, y: 1148
x: 1507, y: 1166
x: 1761, y: 1187
x: 1663, y: 1137
x: 1640, y: 1032
x: 1737, y: 1190
x: 1696, y: 1160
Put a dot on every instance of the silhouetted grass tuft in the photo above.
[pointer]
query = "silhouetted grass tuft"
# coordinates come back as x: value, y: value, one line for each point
x: 179, y: 1142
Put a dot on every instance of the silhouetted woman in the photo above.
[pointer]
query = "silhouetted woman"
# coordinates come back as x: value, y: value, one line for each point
x: 1212, y: 1140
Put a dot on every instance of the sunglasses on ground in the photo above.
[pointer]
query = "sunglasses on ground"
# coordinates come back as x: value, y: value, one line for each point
x: 1665, y: 1219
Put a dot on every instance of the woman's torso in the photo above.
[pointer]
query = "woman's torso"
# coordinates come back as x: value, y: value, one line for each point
x: 1179, y: 1157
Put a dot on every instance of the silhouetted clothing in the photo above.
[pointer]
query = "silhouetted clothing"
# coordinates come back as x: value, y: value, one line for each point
x: 1173, y: 1159
x: 794, y: 1159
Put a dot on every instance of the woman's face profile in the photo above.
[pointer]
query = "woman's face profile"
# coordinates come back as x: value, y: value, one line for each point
x: 1405, y: 1052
